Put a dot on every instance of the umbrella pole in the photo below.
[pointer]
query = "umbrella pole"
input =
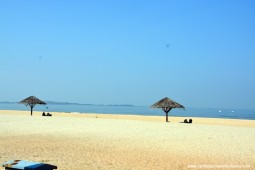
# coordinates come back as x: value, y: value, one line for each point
x: 31, y: 106
x: 166, y: 110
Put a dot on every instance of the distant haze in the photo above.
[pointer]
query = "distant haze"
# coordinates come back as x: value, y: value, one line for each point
x: 198, y: 53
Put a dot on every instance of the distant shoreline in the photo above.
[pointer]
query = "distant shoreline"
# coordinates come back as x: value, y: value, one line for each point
x: 243, y: 114
x: 137, y: 110
x: 131, y: 105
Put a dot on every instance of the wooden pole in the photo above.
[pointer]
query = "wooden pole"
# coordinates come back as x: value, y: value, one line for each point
x: 166, y: 110
x: 31, y: 106
x: 31, y: 111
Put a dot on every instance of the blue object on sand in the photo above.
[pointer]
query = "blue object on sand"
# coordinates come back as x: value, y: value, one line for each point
x: 27, y: 165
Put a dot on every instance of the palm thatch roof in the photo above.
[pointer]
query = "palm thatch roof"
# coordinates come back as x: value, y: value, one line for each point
x: 167, y: 103
x: 32, y: 100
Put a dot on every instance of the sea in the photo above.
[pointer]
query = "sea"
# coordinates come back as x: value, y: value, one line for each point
x: 136, y: 110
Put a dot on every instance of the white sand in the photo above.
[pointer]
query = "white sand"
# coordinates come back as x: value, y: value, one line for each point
x: 74, y: 141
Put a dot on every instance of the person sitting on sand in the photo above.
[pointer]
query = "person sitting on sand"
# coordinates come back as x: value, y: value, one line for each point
x: 43, y: 114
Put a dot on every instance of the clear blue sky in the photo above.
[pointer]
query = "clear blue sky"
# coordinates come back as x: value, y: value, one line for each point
x: 199, y: 53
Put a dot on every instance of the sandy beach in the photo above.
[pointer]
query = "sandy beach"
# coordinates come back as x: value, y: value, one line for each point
x: 75, y: 141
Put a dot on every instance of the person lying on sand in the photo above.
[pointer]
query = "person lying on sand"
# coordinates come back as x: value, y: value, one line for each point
x: 48, y: 114
x: 186, y: 121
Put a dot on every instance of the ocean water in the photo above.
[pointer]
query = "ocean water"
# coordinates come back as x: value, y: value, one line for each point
x: 137, y: 110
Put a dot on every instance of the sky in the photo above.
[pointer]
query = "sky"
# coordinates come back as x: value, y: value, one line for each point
x: 198, y: 53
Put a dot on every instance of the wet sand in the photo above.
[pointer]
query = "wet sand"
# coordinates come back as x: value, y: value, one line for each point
x: 98, y: 141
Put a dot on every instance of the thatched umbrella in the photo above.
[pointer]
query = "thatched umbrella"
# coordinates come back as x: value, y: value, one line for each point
x: 32, y: 101
x: 167, y: 104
